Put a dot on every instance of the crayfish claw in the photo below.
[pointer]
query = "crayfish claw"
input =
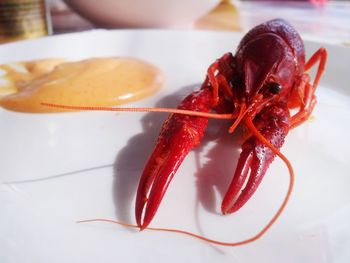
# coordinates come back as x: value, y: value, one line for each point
x: 229, y: 203
x: 179, y: 134
x: 256, y: 158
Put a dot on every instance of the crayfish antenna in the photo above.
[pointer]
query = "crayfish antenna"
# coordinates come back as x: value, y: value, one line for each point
x: 158, y: 110
x: 161, y: 182
x: 262, y: 139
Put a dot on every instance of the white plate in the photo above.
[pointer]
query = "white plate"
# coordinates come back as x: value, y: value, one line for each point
x: 59, y: 168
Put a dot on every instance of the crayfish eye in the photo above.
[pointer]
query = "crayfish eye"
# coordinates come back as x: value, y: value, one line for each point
x: 274, y: 87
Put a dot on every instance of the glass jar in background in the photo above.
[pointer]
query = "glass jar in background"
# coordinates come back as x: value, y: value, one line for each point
x: 22, y: 19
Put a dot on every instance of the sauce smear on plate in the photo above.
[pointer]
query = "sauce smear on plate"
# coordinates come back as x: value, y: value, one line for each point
x: 90, y: 82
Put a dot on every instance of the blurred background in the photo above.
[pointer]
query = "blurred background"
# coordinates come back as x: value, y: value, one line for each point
x: 315, y: 19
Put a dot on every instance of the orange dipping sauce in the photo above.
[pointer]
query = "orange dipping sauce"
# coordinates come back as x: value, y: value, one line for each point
x: 91, y: 82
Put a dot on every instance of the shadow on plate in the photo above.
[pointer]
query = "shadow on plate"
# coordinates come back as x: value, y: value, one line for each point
x: 215, y: 175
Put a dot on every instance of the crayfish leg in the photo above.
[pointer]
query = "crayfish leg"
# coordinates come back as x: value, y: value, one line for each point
x: 256, y: 157
x: 308, y: 101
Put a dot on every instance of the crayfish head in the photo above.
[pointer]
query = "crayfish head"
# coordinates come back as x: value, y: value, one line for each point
x: 267, y: 67
x: 270, y: 58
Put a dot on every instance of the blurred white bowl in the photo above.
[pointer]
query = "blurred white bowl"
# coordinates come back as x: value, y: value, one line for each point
x: 142, y: 13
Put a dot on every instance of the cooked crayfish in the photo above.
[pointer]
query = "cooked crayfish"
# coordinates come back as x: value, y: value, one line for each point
x: 258, y: 86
